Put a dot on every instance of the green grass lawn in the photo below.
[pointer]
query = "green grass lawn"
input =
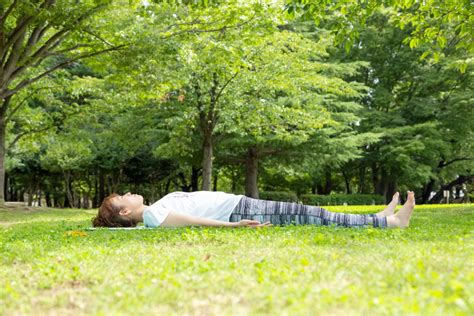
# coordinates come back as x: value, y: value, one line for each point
x: 51, y: 265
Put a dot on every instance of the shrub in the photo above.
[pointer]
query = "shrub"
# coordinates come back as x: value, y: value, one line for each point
x: 339, y: 199
x: 279, y: 196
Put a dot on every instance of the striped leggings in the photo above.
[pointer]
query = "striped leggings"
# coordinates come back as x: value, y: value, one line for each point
x: 285, y: 213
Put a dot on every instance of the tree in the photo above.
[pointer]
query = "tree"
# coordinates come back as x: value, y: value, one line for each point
x: 422, y: 107
x: 32, y: 33
x: 432, y: 23
x: 66, y: 155
x: 291, y: 93
x: 202, y: 60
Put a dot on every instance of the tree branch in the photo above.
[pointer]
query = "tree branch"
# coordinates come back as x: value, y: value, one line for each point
x: 270, y: 151
x: 458, y: 181
x: 231, y: 159
x: 226, y: 84
x: 194, y: 22
x: 200, y: 106
x: 12, y: 38
x: 98, y: 37
x: 69, y: 49
x: 26, y: 64
x: 19, y: 136
x: 220, y: 29
x: 443, y: 164
x: 4, y: 107
x: 27, y: 82
x: 49, y: 45
x: 37, y: 32
x: 13, y: 58
x: 35, y: 36
x: 54, y: 40
x: 16, y: 108
x: 3, y: 19
x: 213, y: 101
x: 219, y: 93
x: 5, y: 15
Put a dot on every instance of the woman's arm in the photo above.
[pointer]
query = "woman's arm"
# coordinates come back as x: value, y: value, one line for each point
x: 176, y: 220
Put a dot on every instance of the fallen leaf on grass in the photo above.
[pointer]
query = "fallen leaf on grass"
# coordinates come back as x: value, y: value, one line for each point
x: 75, y: 233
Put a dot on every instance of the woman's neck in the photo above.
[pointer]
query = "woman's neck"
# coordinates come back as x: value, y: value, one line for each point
x: 138, y: 214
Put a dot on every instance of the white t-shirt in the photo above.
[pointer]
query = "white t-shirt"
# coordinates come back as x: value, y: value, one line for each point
x: 204, y: 204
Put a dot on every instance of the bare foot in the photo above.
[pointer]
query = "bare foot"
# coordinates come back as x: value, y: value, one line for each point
x: 389, y: 210
x: 402, y: 218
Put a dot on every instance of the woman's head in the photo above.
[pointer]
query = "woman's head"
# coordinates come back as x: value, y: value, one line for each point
x: 117, y: 211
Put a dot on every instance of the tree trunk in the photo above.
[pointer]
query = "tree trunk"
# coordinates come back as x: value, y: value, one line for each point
x: 101, y: 187
x: 30, y: 199
x: 89, y: 191
x: 251, y: 173
x: 85, y: 201
x: 391, y: 188
x: 7, y: 188
x: 47, y: 197
x: 460, y: 180
x: 427, y: 189
x: 167, y: 186
x: 95, y: 199
x: 207, y: 163
x: 108, y: 186
x: 194, y: 179
x: 11, y: 190
x: 375, y: 178
x: 458, y: 191
x: 116, y: 179
x: 328, y: 182
x: 362, y: 185
x: 70, y: 194
x: 39, y: 197
x: 387, y: 185
x: 383, y: 184
x: 67, y: 203
x: 3, y: 151
x: 32, y: 189
x: 214, y: 184
x: 347, y: 181
x: 319, y: 189
x: 233, y: 186
x: 184, y: 182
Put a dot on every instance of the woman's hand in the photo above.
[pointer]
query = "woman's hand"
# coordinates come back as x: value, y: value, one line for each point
x: 250, y: 223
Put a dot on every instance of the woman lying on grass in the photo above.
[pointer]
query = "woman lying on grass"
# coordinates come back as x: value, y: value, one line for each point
x: 206, y: 208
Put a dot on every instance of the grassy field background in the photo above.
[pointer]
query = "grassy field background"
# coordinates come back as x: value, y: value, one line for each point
x: 50, y: 265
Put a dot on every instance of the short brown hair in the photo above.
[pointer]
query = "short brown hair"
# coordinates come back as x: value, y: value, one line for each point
x: 108, y: 215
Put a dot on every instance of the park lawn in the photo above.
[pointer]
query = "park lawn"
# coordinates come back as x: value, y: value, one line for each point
x: 50, y: 265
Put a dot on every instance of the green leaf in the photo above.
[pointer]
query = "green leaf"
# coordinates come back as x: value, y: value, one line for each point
x: 441, y: 41
x: 414, y: 42
x: 425, y: 54
x: 347, y: 46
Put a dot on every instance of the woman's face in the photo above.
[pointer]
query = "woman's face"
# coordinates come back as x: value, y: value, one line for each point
x: 128, y: 201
